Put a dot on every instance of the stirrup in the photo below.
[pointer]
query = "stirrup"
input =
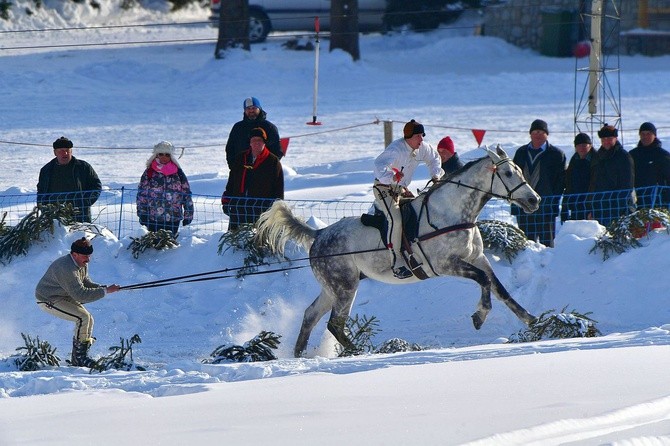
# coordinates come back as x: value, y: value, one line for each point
x: 402, y: 273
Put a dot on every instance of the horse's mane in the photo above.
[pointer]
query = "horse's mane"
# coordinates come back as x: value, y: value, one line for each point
x: 445, y: 179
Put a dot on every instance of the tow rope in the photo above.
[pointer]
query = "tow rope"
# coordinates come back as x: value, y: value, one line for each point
x: 199, y: 277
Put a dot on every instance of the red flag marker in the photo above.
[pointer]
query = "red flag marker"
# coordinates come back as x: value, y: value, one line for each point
x: 479, y: 135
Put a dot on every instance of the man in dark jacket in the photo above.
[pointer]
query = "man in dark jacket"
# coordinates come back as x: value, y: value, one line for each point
x: 254, y: 116
x: 256, y: 180
x: 66, y: 179
x: 652, y: 168
x: 612, y: 178
x: 577, y: 180
x: 543, y: 166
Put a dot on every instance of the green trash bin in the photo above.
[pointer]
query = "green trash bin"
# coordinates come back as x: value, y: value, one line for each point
x: 559, y: 32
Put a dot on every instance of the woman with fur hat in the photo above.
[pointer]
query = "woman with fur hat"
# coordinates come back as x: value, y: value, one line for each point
x: 164, y: 194
x: 652, y: 168
x: 612, y: 178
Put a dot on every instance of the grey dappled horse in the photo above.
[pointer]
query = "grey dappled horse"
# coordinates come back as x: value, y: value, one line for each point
x: 449, y: 243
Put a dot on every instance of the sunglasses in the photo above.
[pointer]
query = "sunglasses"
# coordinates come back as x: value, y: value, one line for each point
x: 163, y: 154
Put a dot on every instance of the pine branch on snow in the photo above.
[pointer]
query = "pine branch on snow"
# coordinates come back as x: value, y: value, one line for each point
x: 242, y: 239
x: 502, y: 238
x: 120, y: 358
x: 38, y: 354
x: 558, y: 326
x: 624, y: 233
x: 397, y: 345
x: 360, y: 333
x: 159, y: 240
x: 257, y: 349
x: 18, y: 239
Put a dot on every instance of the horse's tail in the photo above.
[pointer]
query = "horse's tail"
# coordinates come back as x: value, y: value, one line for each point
x: 278, y: 225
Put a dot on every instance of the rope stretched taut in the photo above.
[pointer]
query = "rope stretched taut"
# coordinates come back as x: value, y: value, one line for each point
x: 191, y: 277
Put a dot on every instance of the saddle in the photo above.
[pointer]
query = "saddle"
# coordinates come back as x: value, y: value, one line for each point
x: 410, y: 231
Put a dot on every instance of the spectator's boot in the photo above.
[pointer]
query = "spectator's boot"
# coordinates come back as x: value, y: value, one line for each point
x: 80, y: 356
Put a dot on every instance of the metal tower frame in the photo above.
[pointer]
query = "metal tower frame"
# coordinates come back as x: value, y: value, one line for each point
x: 599, y: 100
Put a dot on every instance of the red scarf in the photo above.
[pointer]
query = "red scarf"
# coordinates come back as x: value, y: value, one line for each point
x: 259, y: 160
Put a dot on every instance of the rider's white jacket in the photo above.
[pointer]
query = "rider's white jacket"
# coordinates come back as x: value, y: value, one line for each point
x: 399, y: 155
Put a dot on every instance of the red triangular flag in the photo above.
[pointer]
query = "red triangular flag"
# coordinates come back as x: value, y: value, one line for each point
x: 283, y: 143
x: 479, y: 135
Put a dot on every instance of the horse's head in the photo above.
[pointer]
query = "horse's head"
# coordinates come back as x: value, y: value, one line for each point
x: 508, y: 182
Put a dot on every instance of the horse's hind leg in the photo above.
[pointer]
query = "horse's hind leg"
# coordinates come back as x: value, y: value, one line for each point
x: 313, y: 315
x: 339, y: 316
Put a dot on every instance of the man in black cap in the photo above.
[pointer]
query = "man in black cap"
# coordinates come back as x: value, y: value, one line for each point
x: 66, y: 179
x: 652, y: 168
x: 64, y: 288
x: 612, y: 178
x: 252, y: 117
x: 577, y: 180
x: 543, y: 166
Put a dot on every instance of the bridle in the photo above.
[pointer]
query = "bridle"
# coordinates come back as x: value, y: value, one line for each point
x: 494, y: 172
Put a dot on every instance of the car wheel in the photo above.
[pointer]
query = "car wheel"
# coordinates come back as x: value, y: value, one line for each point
x: 259, y: 26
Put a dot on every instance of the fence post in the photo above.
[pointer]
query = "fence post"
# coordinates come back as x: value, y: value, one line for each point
x: 121, y: 211
x: 388, y: 133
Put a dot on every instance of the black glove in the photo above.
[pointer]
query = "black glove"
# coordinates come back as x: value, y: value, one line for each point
x: 186, y: 221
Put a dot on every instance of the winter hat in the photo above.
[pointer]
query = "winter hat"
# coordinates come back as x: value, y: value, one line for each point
x: 608, y: 131
x: 163, y: 147
x: 251, y: 102
x: 539, y: 124
x: 648, y: 127
x: 259, y: 132
x: 82, y: 246
x: 583, y: 138
x: 413, y: 128
x: 447, y: 144
x: 62, y: 143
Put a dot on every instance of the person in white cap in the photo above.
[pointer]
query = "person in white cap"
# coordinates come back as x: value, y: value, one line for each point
x: 254, y: 116
x: 164, y: 194
x: 394, y: 168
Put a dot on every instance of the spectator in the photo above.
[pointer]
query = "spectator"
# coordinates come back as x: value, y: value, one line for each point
x: 254, y: 116
x: 63, y: 289
x: 652, y: 168
x: 612, y: 178
x: 164, y: 194
x: 450, y: 161
x: 66, y: 179
x: 394, y: 168
x: 577, y: 179
x: 256, y: 180
x: 543, y: 166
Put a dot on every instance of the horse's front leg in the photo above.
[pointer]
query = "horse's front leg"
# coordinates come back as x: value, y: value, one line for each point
x: 464, y: 269
x: 501, y: 292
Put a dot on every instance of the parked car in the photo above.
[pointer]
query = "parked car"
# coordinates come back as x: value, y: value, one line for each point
x: 298, y: 15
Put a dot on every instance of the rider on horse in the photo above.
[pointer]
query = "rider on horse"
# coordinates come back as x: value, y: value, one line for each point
x: 394, y: 168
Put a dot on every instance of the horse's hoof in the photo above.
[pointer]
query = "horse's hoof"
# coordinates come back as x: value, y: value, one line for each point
x: 477, y: 321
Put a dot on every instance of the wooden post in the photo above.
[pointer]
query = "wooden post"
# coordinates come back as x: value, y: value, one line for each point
x: 643, y: 14
x: 388, y: 133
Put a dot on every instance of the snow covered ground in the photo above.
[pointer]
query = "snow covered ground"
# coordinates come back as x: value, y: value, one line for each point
x: 468, y: 387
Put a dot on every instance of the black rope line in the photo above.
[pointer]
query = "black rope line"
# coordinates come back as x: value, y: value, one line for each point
x: 179, y: 279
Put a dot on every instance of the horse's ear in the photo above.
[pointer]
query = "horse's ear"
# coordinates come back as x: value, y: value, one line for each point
x: 501, y: 152
x: 493, y: 155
